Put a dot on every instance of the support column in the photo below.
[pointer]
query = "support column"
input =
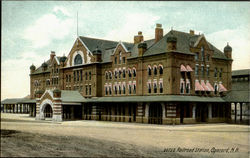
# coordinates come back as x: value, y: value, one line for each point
x: 209, y: 111
x: 241, y: 112
x: 139, y: 118
x: 235, y: 112
x: 94, y: 112
x: 145, y: 119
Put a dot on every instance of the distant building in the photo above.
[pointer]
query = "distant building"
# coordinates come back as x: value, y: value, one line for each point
x: 174, y: 78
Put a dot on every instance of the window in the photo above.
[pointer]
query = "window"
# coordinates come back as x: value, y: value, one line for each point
x: 77, y: 75
x: 149, y: 87
x: 149, y: 71
x: 120, y: 57
x: 120, y: 72
x: 86, y: 89
x: 215, y: 89
x: 134, y: 89
x: 134, y: 72
x: 120, y: 90
x: 89, y: 75
x: 115, y: 74
x: 67, y: 78
x: 161, y: 87
x: 155, y: 70
x: 187, y: 87
x: 115, y: 60
x: 123, y: 60
x: 106, y: 90
x: 129, y: 89
x: 155, y: 88
x: 124, y: 73
x: 86, y: 76
x: 78, y: 59
x: 196, y: 69
x: 215, y: 72
x: 207, y: 71
x: 202, y: 54
x: 89, y: 89
x: 74, y: 76
x: 202, y: 71
x: 129, y: 73
x: 220, y: 73
x: 115, y: 90
x: 110, y: 75
x: 110, y: 90
x: 182, y: 87
x: 81, y: 75
x: 208, y: 57
x: 196, y: 57
x: 106, y: 74
x: 161, y: 70
x: 124, y: 89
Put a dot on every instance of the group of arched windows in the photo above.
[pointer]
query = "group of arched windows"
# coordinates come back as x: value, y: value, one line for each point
x: 155, y: 70
x: 119, y: 89
x: 121, y: 73
x: 155, y: 87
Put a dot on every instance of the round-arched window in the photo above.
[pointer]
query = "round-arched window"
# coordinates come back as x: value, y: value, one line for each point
x: 78, y: 59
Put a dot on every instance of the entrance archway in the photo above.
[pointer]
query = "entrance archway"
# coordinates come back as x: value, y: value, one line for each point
x: 155, y: 113
x: 48, y: 112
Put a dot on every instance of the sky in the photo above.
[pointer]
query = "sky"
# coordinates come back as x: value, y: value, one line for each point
x: 32, y: 29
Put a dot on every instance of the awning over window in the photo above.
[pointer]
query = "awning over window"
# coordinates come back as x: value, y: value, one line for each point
x: 222, y: 88
x: 189, y: 69
x: 210, y: 87
x: 204, y: 86
x: 198, y: 87
x: 183, y: 68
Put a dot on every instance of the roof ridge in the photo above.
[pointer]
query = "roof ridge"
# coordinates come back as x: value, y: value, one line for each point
x: 103, y: 39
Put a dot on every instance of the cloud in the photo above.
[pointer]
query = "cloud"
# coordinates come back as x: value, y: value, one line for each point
x: 238, y: 40
x: 49, y: 27
x: 132, y: 24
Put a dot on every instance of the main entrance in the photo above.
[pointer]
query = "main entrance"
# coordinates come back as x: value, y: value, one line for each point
x: 155, y: 113
x: 48, y: 112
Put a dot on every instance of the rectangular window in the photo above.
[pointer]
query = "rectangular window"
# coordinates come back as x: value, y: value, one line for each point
x: 67, y: 78
x: 106, y: 90
x: 196, y: 69
x: 115, y: 60
x: 134, y: 89
x: 149, y: 88
x: 188, y: 88
x: 74, y: 76
x: 215, y: 72
x: 89, y: 89
x: 86, y: 76
x: 202, y: 71
x: 129, y: 89
x: 161, y: 88
x: 86, y: 89
x: 89, y: 75
x: 123, y: 60
x: 207, y: 71
x: 124, y: 73
x: 81, y: 75
x: 124, y: 89
x: 208, y: 57
x: 77, y: 75
x: 110, y: 91
x: 202, y: 54
x: 155, y: 88
x: 196, y: 57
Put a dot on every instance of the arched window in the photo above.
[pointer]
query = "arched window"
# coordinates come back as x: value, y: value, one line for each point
x: 149, y: 71
x: 129, y: 89
x: 134, y: 89
x: 155, y: 88
x: 161, y: 69
x: 215, y: 88
x: 134, y: 72
x: 161, y: 87
x: 124, y: 89
x: 110, y: 75
x: 129, y: 73
x: 120, y: 72
x: 149, y: 87
x: 115, y: 90
x: 78, y: 59
x: 106, y: 90
x: 155, y: 70
x: 115, y: 74
x: 215, y: 72
x: 110, y: 90
x: 124, y: 73
x: 106, y: 74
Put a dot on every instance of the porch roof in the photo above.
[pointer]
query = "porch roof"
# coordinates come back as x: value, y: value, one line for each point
x: 18, y: 101
x: 161, y: 98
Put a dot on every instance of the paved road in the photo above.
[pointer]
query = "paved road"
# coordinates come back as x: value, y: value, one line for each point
x: 202, y: 140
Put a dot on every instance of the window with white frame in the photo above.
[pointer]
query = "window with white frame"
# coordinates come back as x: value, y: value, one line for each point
x: 134, y: 72
x: 182, y: 86
x: 161, y: 69
x: 155, y: 88
x: 188, y: 86
x: 155, y: 70
x: 149, y: 87
x: 149, y: 70
x: 161, y: 87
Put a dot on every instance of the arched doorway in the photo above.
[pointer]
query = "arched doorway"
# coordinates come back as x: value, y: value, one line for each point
x: 48, y: 112
x: 155, y: 113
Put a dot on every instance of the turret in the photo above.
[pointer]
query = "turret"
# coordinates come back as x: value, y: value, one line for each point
x: 44, y: 66
x: 228, y: 51
x: 171, y: 42
x: 62, y: 60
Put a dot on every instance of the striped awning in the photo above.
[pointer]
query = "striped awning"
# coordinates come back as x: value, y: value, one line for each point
x: 198, y: 87
x: 189, y: 69
x: 183, y: 68
x: 222, y: 88
x: 204, y: 86
x: 210, y: 87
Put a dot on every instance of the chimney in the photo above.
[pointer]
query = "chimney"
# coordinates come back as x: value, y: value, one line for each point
x: 142, y: 47
x: 191, y: 32
x: 158, y: 32
x: 138, y: 38
x: 52, y: 54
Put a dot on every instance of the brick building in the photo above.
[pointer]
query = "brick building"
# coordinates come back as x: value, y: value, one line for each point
x: 173, y: 78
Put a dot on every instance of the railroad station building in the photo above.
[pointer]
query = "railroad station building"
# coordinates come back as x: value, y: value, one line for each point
x: 174, y: 78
